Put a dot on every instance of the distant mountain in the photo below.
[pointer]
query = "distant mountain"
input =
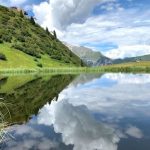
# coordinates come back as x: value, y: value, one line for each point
x: 93, y: 58
x: 90, y: 57
x: 132, y: 59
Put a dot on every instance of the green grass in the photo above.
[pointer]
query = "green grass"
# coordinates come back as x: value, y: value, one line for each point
x: 18, y: 59
x: 132, y: 59
x: 133, y: 64
x: 142, y: 67
x: 15, y: 58
x: 19, y: 62
x: 28, y: 37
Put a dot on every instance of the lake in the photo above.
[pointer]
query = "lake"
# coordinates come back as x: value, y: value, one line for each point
x: 76, y: 112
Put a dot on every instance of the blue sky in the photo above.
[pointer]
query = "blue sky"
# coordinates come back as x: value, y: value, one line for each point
x: 117, y: 28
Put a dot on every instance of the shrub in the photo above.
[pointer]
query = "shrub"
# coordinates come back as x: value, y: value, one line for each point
x: 7, y: 38
x: 57, y: 57
x: 67, y: 61
x: 2, y: 57
x: 21, y: 38
x: 25, y: 33
x: 40, y: 65
x: 17, y: 46
x: 1, y: 41
x: 32, y: 20
x: 26, y: 50
x: 35, y: 60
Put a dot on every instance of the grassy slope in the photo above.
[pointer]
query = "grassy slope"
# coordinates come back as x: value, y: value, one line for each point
x: 143, y: 66
x: 126, y: 67
x: 132, y: 59
x: 19, y: 59
x: 27, y: 39
x: 133, y: 64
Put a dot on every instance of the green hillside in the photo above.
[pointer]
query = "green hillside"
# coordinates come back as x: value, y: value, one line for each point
x: 23, y: 43
x: 132, y: 59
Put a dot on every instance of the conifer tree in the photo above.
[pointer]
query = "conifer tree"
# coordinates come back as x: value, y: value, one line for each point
x: 32, y: 20
x: 21, y: 14
x: 55, y: 35
x: 47, y: 31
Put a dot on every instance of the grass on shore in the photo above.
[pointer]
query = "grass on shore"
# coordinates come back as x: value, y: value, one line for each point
x: 19, y: 62
x: 135, y: 67
x: 3, y: 124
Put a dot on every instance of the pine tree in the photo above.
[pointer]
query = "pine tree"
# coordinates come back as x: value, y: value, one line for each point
x: 47, y: 31
x: 55, y: 35
x: 32, y: 20
x: 21, y: 14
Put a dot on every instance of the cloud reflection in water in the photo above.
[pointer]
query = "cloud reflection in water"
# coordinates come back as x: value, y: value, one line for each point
x: 73, y: 113
x: 78, y: 127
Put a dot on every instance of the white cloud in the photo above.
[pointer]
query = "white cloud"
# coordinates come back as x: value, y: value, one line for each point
x: 43, y: 14
x: 75, y: 24
x: 128, y: 51
x: 131, y: 34
x: 63, y: 13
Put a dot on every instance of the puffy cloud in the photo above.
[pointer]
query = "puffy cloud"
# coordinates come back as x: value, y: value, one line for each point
x: 76, y: 23
x: 129, y: 34
x: 128, y: 51
x: 126, y: 28
x: 43, y: 13
x: 63, y: 13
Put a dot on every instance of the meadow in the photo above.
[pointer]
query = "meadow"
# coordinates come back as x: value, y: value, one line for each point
x: 133, y: 67
x: 19, y: 59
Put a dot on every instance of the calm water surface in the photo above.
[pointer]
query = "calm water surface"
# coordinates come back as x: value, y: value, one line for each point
x: 85, y: 112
